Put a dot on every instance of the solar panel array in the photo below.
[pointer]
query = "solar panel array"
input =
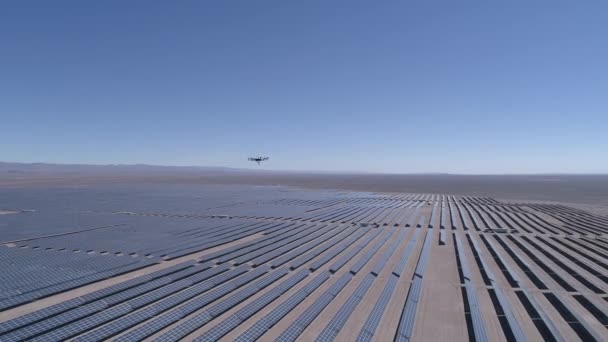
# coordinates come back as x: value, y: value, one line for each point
x: 30, y: 274
x: 312, y: 266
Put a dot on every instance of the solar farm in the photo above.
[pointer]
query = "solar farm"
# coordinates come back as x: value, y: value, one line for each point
x: 284, y: 264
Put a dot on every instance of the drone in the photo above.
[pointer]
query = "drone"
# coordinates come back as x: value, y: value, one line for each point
x: 258, y: 159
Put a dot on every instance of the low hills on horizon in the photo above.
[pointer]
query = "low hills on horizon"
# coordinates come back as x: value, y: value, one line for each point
x: 41, y: 167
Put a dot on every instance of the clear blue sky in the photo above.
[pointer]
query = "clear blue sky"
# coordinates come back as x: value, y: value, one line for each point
x: 387, y: 86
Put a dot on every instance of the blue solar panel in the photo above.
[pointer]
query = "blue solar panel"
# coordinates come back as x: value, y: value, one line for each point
x: 133, y: 292
x: 283, y: 235
x: 151, y: 327
x: 85, y: 324
x: 386, y: 255
x: 261, y: 326
x: 117, y: 326
x: 373, y: 320
x: 338, y: 249
x: 339, y: 319
x: 39, y: 315
x: 232, y: 301
x: 183, y: 329
x: 220, y: 330
x: 339, y: 284
x: 55, y: 321
x: 369, y: 254
x: 270, y: 296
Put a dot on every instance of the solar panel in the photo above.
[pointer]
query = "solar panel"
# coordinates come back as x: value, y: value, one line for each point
x: 220, y: 330
x: 339, y: 319
x: 268, y: 297
x: 85, y: 324
x: 117, y: 326
x: 158, y: 294
x: 151, y: 327
x: 271, y: 278
x: 133, y: 292
x: 313, y: 311
x: 340, y: 284
x: 223, y: 277
x: 365, y: 336
x: 232, y: 301
x: 539, y: 318
x: 254, y: 332
x: 205, y: 299
x: 182, y: 330
x: 344, y: 259
x: 56, y: 321
x: 39, y: 315
x: 116, y: 288
x: 386, y: 255
x: 442, y: 237
x: 261, y: 326
x: 327, y: 335
x: 369, y: 254
x: 209, y: 273
x: 373, y: 320
x: 286, y: 245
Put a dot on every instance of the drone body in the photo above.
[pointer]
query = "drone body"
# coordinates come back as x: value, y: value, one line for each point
x: 258, y: 159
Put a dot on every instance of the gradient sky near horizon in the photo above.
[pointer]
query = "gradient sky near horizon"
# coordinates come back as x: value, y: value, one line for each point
x: 382, y: 86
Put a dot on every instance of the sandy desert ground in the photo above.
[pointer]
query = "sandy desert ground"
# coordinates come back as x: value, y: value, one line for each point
x: 575, y: 189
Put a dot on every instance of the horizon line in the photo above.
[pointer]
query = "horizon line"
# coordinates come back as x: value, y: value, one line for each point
x: 429, y: 173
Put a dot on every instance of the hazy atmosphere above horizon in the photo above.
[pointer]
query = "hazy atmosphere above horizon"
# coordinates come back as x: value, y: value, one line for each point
x: 389, y: 86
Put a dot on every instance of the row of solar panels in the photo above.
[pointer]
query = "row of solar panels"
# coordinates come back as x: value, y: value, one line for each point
x: 574, y: 218
x: 141, y: 239
x: 563, y: 210
x: 453, y: 215
x: 166, y: 289
x: 227, y: 325
x: 572, y: 259
x: 119, y: 308
x: 384, y: 216
x: 178, y: 243
x: 511, y: 327
x: 515, y: 219
x: 408, y: 316
x: 152, y: 285
x: 29, y: 275
x: 337, y: 322
x: 224, y: 234
x: 215, y: 233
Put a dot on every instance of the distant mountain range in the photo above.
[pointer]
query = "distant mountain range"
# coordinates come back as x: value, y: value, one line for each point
x: 10, y: 167
x: 50, y: 168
